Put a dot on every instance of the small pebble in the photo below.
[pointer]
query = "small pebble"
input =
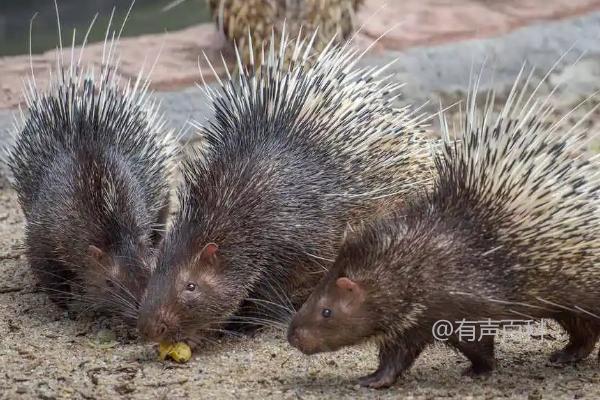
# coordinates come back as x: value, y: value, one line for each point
x: 534, y: 395
x: 105, y: 336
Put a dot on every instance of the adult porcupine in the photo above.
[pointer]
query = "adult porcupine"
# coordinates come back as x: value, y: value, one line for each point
x: 294, y: 154
x: 90, y: 167
x: 510, y: 230
x: 239, y: 19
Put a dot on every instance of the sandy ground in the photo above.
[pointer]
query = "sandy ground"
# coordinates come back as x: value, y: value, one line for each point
x: 48, y: 354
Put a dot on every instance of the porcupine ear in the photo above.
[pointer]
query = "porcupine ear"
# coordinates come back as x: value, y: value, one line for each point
x: 97, y: 254
x: 209, y: 252
x: 346, y: 283
x: 351, y: 288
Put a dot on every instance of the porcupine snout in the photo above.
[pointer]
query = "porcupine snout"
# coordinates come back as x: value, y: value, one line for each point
x: 157, y: 326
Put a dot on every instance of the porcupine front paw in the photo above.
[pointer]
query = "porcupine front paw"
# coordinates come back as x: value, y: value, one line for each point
x: 481, y: 355
x: 394, y: 358
x: 583, y: 336
x: 478, y: 371
x: 380, y: 379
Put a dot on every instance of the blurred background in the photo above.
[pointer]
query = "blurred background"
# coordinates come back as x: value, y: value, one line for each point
x: 147, y: 16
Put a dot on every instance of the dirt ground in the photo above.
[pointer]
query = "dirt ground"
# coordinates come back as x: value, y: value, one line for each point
x: 48, y: 354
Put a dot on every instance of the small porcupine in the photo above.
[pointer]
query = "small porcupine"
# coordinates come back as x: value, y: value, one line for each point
x: 294, y: 153
x: 90, y: 166
x: 510, y: 230
x: 239, y: 19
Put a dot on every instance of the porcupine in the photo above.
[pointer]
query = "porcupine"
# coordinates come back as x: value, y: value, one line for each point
x: 510, y: 230
x: 91, y: 164
x: 258, y: 18
x: 294, y: 153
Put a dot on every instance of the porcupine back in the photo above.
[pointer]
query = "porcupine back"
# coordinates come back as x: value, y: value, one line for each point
x: 294, y: 152
x: 90, y: 166
x: 524, y: 179
x: 342, y: 141
x: 345, y: 112
x: 80, y: 110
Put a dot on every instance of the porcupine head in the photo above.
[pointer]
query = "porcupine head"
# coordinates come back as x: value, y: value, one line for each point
x: 119, y: 244
x: 117, y: 273
x: 344, y: 309
x: 393, y: 276
x: 189, y: 295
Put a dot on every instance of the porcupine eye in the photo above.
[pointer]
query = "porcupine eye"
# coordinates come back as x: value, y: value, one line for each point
x: 190, y: 287
x: 326, y: 313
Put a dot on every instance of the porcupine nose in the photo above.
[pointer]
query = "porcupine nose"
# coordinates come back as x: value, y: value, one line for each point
x: 153, y: 327
x: 302, y: 338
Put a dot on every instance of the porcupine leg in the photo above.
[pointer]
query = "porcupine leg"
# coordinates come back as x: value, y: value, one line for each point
x: 53, y: 278
x: 246, y: 321
x: 395, y: 356
x: 479, y: 352
x: 583, y: 335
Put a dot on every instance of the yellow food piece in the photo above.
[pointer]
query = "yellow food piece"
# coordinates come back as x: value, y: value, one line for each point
x: 178, y: 352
